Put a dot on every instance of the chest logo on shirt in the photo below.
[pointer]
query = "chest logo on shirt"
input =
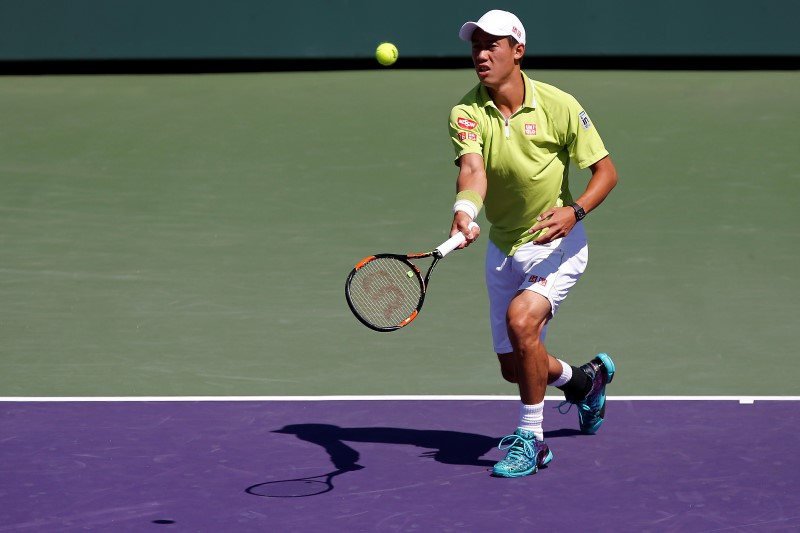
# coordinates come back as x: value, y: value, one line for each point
x: 584, y: 118
x: 530, y: 129
x: 466, y: 123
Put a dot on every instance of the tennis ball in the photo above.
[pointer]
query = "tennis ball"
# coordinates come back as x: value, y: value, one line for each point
x: 386, y: 54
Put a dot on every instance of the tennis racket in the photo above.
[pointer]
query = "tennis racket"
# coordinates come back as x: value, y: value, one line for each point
x: 386, y: 291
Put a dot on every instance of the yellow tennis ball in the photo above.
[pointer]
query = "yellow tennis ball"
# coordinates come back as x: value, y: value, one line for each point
x: 386, y: 54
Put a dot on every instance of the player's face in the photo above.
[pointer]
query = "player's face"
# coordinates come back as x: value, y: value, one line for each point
x: 495, y: 58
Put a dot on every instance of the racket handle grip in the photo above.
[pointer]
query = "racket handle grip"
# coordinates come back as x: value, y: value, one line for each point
x: 453, y: 242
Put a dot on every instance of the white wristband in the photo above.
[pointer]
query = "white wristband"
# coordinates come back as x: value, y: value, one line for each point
x: 467, y: 207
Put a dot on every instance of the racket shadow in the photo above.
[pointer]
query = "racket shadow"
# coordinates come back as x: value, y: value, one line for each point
x: 298, y: 487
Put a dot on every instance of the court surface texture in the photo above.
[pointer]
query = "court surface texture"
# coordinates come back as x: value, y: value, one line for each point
x: 395, y: 465
x: 175, y: 347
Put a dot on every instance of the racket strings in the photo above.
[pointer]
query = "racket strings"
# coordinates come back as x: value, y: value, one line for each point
x: 385, y: 291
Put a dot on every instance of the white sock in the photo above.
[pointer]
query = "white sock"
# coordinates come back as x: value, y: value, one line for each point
x: 531, y: 417
x: 566, y: 375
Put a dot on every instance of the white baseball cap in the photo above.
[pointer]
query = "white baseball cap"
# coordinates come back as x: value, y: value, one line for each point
x: 495, y: 22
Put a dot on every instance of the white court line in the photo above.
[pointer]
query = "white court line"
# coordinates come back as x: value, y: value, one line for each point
x: 740, y: 399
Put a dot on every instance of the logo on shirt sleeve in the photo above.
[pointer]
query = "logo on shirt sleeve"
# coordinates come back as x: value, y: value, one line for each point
x: 585, y: 122
x: 463, y: 135
x: 466, y: 123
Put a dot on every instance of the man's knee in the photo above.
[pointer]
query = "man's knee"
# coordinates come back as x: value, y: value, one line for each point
x: 524, y: 329
x: 520, y: 327
x: 527, y: 316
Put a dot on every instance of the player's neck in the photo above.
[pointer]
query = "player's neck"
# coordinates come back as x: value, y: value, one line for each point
x: 509, y: 95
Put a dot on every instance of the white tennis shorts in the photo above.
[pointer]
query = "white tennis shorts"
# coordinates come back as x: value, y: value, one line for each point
x: 548, y: 269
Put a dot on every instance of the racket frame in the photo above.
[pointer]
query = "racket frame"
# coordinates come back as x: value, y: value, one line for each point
x: 442, y: 250
x: 423, y: 284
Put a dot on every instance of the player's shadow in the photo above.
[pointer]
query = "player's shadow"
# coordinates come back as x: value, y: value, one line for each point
x: 448, y: 447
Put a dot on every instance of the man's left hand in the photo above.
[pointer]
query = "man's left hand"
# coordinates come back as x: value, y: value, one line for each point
x: 559, y: 221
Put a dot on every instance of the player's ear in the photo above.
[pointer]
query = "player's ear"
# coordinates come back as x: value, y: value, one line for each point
x: 519, y: 51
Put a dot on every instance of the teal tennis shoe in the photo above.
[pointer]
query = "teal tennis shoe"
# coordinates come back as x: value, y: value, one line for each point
x: 525, y: 455
x: 592, y: 408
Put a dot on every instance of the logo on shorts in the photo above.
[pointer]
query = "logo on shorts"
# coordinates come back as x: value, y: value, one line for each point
x: 584, y: 118
x: 530, y: 129
x: 463, y: 135
x: 536, y: 279
x: 466, y: 123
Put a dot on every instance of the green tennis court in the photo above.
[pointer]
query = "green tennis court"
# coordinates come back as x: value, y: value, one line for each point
x: 190, y: 235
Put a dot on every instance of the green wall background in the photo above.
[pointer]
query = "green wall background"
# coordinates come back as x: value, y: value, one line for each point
x: 32, y: 30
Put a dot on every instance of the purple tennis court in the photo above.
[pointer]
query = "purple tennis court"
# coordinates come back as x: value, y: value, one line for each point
x: 394, y: 465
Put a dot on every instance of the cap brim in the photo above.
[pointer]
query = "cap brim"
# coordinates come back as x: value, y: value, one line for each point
x: 465, y: 33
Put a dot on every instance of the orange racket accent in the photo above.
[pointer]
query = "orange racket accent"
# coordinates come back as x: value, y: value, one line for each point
x: 409, y: 319
x: 364, y: 261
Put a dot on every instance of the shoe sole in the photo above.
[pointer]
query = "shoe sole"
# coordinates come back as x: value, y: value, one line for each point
x: 527, y: 472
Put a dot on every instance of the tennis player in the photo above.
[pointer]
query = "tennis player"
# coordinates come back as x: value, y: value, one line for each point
x: 514, y: 138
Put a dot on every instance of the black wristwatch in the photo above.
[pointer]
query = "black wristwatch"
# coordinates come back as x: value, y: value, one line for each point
x: 579, y: 212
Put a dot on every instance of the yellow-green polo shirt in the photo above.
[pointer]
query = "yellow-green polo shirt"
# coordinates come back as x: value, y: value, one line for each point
x: 527, y: 156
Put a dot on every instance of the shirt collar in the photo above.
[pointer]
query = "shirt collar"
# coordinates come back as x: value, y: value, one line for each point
x: 530, y: 96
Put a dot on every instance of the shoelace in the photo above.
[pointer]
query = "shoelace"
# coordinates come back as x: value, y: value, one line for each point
x: 514, y: 450
x: 562, y: 404
x: 592, y: 413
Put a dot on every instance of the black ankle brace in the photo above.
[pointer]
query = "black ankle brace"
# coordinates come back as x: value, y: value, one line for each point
x: 577, y: 387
